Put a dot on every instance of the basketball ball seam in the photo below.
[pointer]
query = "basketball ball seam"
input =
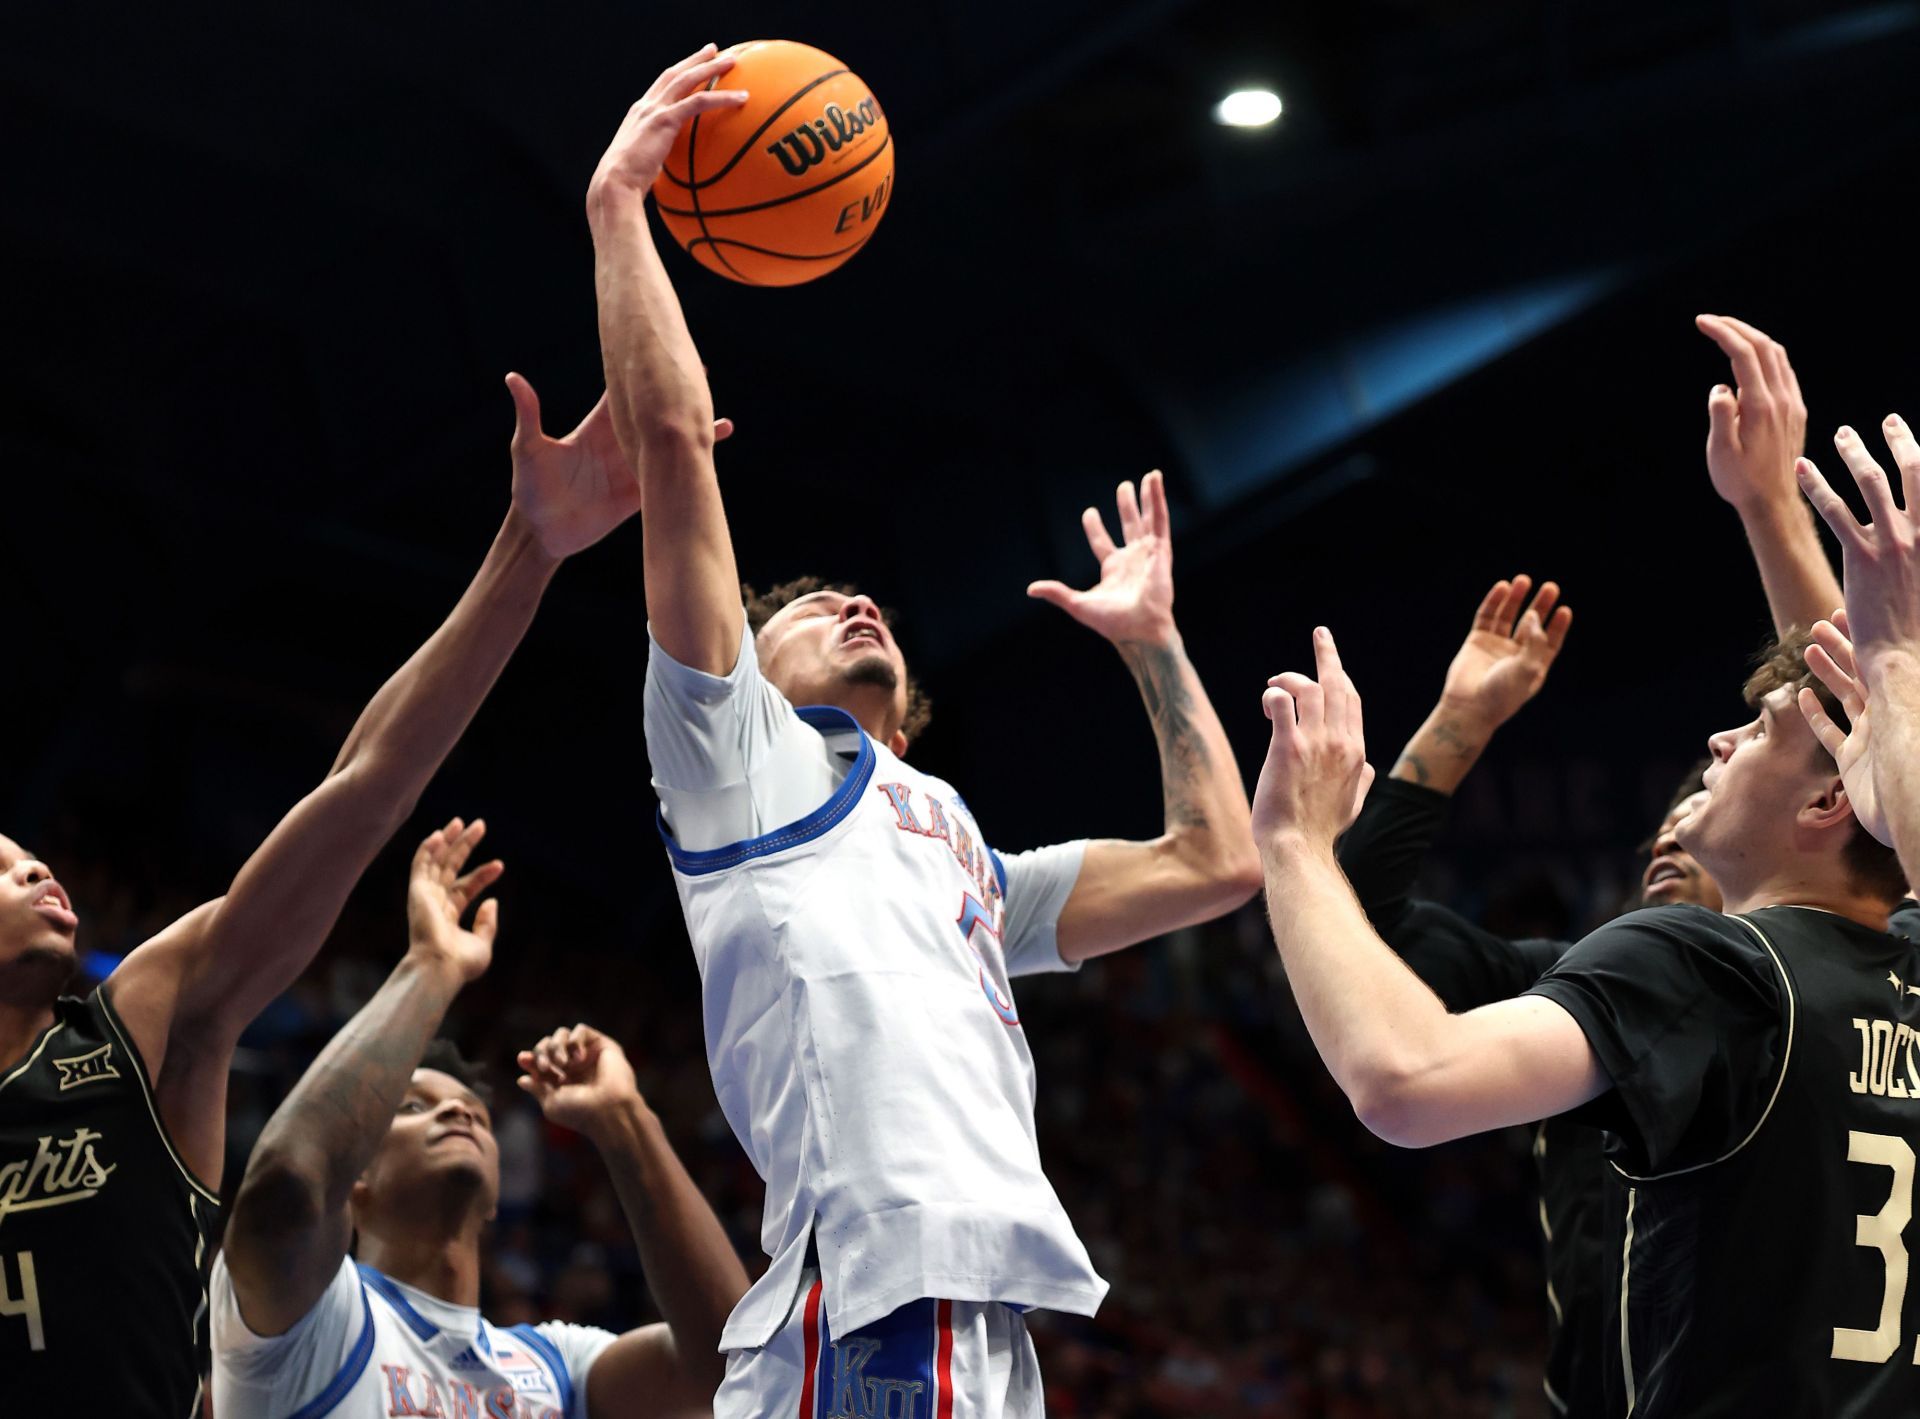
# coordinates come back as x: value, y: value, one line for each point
x: 693, y: 151
x: 696, y: 211
x: 751, y: 138
x: 718, y: 242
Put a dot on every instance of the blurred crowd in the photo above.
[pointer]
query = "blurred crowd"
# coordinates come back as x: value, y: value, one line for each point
x: 1267, y: 1255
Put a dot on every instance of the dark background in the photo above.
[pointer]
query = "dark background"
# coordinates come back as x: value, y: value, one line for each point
x: 269, y: 263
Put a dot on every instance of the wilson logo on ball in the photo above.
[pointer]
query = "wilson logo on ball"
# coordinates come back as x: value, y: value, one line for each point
x: 809, y: 144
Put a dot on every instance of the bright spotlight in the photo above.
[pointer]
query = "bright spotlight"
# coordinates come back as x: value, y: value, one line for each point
x: 1247, y: 108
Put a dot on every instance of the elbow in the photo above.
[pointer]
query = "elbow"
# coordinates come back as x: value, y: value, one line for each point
x: 676, y: 434
x: 1243, y: 878
x: 1223, y: 877
x: 283, y: 1193
x: 1389, y: 1103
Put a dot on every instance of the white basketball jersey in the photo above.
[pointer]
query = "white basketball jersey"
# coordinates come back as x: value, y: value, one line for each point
x: 867, y: 1049
x: 372, y: 1348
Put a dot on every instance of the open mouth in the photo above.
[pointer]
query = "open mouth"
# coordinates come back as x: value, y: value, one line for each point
x: 1662, y: 872
x: 861, y: 634
x: 51, y: 902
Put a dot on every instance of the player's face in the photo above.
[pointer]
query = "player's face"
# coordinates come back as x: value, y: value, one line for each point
x: 441, y: 1136
x: 37, y: 925
x: 1762, y: 775
x: 1673, y: 876
x: 834, y: 649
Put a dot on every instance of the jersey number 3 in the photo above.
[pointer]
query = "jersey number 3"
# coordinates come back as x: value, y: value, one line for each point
x: 1882, y: 1232
x: 27, y: 1303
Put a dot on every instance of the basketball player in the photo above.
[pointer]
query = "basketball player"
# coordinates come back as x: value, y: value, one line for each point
x: 1756, y: 429
x: 1750, y: 1068
x: 113, y: 1106
x: 1500, y: 667
x: 389, y: 1139
x: 856, y: 936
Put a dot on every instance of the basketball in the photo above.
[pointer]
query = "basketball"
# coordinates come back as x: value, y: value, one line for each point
x: 789, y: 185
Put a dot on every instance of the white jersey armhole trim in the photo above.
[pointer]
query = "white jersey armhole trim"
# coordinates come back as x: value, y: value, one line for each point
x: 351, y: 1369
x: 1626, y: 1267
x: 139, y: 1072
x: 1786, y: 1058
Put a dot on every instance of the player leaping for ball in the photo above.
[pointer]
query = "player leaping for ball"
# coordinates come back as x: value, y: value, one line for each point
x: 855, y: 935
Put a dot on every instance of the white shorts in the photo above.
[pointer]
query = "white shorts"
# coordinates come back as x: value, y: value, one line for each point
x: 928, y: 1360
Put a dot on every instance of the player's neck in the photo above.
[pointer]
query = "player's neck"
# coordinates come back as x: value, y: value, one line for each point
x: 21, y: 1023
x: 1792, y: 891
x: 445, y: 1266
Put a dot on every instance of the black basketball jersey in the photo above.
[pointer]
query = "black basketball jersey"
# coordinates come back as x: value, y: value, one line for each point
x: 1468, y: 966
x: 104, y: 1235
x: 1765, y: 1123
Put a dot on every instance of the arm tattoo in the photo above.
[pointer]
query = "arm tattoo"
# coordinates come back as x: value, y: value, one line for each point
x: 1449, y: 736
x: 1159, y: 671
x: 1415, y: 765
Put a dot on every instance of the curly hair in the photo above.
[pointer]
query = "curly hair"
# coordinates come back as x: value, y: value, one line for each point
x: 762, y: 606
x: 444, y: 1055
x: 1782, y: 665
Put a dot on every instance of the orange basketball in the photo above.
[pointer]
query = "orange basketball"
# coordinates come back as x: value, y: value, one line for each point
x: 790, y: 184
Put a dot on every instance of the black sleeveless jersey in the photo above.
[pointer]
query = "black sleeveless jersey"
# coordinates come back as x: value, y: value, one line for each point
x: 104, y: 1235
x: 1765, y: 1124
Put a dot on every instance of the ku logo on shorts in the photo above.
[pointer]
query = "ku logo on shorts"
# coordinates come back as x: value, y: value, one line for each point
x: 897, y: 1368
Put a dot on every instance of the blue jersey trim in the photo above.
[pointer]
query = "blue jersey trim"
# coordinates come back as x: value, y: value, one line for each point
x: 999, y: 869
x: 823, y: 819
x: 550, y: 1352
x: 390, y: 1293
x: 350, y: 1372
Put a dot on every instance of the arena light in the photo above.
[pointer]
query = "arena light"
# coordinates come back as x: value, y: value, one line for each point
x: 1247, y: 108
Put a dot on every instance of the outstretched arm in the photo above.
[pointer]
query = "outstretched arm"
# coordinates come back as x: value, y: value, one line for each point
x: 187, y: 994
x: 1203, y: 863
x: 1415, y: 1074
x: 1501, y: 665
x: 1754, y: 434
x: 290, y: 1223
x: 1877, y: 675
x: 582, y: 1081
x: 662, y: 410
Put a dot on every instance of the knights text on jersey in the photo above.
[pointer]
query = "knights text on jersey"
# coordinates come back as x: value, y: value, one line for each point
x: 371, y: 1348
x: 867, y: 1049
x: 103, y: 1232
x: 1764, y: 1119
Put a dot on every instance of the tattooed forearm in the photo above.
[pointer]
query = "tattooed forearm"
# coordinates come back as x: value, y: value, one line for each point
x: 1161, y: 672
x: 1440, y: 753
x: 337, y: 1114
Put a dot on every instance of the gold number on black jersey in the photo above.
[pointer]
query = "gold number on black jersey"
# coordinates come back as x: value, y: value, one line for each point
x: 27, y: 1303
x: 1882, y: 1232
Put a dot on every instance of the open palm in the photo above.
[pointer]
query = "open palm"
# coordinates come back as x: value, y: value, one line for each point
x: 1831, y: 658
x: 1506, y: 656
x: 1133, y: 600
x: 439, y: 893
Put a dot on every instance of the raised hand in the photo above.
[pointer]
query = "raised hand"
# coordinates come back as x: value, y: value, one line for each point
x: 640, y: 146
x: 438, y: 896
x: 1754, y: 431
x: 1880, y: 560
x: 1831, y: 658
x: 578, y: 1076
x: 1505, y: 658
x: 572, y: 491
x: 1316, y: 774
x: 1133, y: 601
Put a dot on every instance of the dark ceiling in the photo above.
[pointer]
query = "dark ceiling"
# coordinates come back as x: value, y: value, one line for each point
x: 269, y: 263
